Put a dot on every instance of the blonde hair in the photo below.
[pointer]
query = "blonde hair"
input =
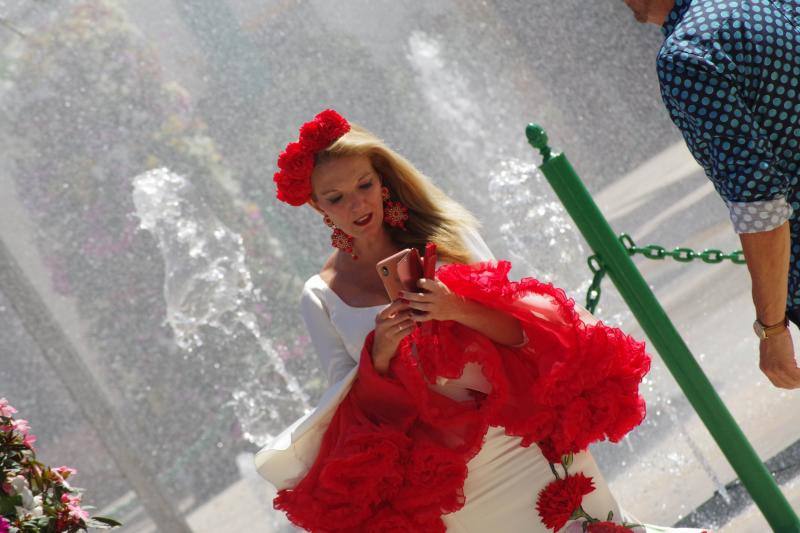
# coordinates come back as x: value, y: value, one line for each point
x: 433, y: 216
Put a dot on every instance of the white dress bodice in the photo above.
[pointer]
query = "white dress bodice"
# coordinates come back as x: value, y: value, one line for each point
x: 338, y: 330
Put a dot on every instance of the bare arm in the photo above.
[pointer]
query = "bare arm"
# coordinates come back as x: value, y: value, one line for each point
x: 767, y: 255
x: 496, y: 325
x: 439, y: 303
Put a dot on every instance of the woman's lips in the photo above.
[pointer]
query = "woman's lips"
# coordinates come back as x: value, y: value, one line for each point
x: 363, y: 221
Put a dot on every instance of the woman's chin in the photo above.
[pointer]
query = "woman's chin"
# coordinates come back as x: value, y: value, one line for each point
x: 370, y: 231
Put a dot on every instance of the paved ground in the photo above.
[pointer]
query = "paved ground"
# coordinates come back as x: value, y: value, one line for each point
x: 711, y: 306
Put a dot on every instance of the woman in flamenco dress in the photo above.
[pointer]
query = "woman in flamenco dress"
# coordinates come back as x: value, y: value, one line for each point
x: 464, y: 406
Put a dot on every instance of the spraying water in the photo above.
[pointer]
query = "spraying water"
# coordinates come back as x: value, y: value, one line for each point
x: 207, y: 284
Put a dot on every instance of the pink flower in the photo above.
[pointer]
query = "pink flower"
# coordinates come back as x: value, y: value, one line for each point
x: 6, y: 411
x: 23, y: 428
x: 74, y: 510
x: 5, y: 525
x: 63, y: 472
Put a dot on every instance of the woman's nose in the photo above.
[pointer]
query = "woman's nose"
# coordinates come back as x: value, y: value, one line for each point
x: 356, y: 203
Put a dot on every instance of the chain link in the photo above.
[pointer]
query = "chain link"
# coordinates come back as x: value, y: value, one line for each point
x: 653, y: 251
x: 682, y: 255
x: 594, y: 292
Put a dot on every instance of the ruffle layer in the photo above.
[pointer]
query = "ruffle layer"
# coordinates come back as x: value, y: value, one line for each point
x: 394, y: 457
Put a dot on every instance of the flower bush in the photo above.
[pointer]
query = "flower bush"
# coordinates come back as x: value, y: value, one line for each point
x: 35, y: 497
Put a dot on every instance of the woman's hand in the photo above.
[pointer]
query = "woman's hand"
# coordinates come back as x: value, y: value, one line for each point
x: 435, y: 302
x: 438, y: 302
x: 391, y: 325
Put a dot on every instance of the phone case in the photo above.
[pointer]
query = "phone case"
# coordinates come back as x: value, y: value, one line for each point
x: 409, y: 270
x: 387, y: 270
x: 402, y: 271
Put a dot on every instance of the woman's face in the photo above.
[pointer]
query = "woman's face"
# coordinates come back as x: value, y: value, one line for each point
x: 348, y: 190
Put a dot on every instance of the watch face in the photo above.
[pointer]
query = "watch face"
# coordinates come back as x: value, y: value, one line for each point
x: 759, y: 329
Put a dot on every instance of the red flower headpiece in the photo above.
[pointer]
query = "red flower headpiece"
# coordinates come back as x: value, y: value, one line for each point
x: 297, y: 161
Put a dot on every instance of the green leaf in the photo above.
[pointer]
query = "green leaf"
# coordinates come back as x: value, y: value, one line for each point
x: 106, y: 520
x: 610, y: 516
x: 566, y: 460
x: 7, y: 504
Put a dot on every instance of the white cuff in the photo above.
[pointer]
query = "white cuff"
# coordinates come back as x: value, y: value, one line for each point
x: 763, y: 215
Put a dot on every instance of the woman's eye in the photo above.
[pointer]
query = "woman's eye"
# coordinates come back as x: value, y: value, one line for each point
x: 366, y: 185
x: 335, y: 199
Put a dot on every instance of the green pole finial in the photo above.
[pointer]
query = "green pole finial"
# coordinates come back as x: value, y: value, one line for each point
x: 537, y: 138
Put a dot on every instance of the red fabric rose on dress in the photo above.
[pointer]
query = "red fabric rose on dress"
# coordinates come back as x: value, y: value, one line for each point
x: 434, y: 478
x: 607, y: 527
x: 321, y: 132
x: 558, y: 500
x: 388, y: 520
x: 366, y: 467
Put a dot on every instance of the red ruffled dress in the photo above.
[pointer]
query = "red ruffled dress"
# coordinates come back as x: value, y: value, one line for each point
x: 463, y: 434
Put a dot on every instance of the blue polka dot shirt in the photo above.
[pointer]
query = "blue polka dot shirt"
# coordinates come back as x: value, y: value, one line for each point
x: 729, y: 74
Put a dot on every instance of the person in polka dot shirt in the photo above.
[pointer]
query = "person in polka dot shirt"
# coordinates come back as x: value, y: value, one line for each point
x: 730, y: 79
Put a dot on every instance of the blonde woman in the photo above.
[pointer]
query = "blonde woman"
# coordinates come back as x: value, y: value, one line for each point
x: 454, y: 407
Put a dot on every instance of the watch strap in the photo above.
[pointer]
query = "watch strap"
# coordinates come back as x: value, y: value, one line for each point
x: 771, y: 331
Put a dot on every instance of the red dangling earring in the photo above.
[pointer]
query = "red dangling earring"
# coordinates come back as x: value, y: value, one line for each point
x: 340, y: 239
x: 394, y: 213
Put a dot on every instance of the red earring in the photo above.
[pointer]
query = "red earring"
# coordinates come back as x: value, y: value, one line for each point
x: 340, y: 239
x: 394, y: 213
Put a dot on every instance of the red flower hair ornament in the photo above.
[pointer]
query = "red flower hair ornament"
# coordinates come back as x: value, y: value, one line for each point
x: 296, y: 162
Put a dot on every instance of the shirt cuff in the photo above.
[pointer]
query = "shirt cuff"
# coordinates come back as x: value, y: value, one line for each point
x: 762, y: 215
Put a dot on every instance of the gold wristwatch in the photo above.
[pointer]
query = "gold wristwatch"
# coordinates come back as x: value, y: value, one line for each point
x: 765, y: 332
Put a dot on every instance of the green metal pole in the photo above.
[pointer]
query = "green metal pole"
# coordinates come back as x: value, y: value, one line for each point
x: 665, y: 338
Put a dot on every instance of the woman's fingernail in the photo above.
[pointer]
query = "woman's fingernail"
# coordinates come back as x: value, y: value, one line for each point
x: 404, y: 300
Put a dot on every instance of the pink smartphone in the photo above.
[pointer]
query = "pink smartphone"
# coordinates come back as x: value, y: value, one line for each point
x: 400, y: 272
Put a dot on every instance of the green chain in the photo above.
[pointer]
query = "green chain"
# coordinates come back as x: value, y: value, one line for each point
x: 653, y: 251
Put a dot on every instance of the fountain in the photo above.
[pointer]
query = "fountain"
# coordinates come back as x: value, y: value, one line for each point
x: 179, y: 288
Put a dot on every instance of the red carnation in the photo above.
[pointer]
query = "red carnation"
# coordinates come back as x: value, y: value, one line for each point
x: 321, y: 132
x: 558, y: 500
x: 292, y: 190
x: 294, y: 179
x: 296, y: 159
x: 607, y: 527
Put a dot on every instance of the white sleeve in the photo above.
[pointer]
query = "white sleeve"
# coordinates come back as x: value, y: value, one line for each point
x: 333, y: 357
x: 476, y: 245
